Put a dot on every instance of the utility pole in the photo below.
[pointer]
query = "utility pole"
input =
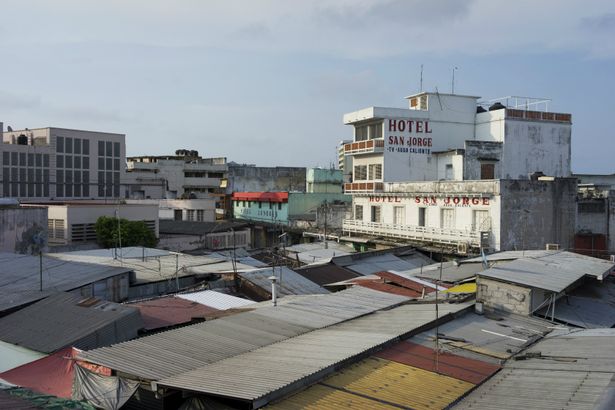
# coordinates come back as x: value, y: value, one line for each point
x: 326, y: 208
x: 176, y: 270
x: 40, y: 268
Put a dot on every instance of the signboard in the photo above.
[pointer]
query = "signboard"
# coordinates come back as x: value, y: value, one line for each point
x: 408, y: 136
x: 442, y: 201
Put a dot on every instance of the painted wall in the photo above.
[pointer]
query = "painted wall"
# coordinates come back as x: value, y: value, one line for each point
x: 19, y: 226
x: 245, y: 178
x: 324, y: 180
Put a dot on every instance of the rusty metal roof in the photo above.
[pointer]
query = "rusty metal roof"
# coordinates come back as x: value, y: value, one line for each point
x: 169, y: 311
x: 412, y: 354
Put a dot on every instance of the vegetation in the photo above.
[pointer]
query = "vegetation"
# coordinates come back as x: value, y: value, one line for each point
x: 133, y: 233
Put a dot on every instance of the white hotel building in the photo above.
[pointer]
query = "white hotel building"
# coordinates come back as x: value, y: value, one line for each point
x: 447, y: 171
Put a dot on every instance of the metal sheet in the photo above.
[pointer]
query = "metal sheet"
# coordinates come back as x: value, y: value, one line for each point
x: 319, y: 397
x: 458, y: 367
x: 216, y: 300
x: 582, y: 312
x: 290, y: 282
x: 169, y: 311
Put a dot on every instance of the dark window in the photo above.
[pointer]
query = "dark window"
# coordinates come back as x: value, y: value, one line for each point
x: 22, y: 159
x: 116, y: 164
x: 77, y: 162
x: 6, y: 158
x: 77, y: 146
x: 101, y: 148
x: 421, y: 216
x: 30, y: 160
x: 68, y: 161
x: 45, y: 182
x: 86, y: 183
x: 46, y: 160
x: 86, y: 162
x: 101, y: 163
x: 86, y: 147
x: 68, y: 147
x: 39, y: 176
x: 59, y: 161
x: 487, y: 171
x: 14, y: 159
x: 59, y: 144
x: 109, y: 166
x: 109, y: 148
x: 116, y: 149
x: 39, y: 160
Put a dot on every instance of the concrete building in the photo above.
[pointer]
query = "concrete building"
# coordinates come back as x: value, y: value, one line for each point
x: 185, y: 175
x: 59, y: 163
x: 595, y: 220
x: 250, y: 178
x: 453, y: 140
x: 344, y: 161
x: 324, y: 180
x: 196, y: 210
x: 22, y: 229
x: 285, y: 208
x: 72, y: 223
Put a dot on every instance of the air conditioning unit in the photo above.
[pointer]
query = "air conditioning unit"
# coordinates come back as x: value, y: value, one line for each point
x: 553, y: 246
x: 462, y: 248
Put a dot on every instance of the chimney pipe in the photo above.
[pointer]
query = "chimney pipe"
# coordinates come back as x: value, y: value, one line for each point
x: 274, y: 296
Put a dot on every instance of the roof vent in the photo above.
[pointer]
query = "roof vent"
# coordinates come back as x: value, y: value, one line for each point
x: 480, y: 109
x: 497, y: 106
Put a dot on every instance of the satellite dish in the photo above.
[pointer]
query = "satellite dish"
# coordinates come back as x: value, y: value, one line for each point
x: 9, y: 128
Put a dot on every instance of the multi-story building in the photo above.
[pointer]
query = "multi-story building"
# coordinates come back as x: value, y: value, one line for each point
x: 344, y: 161
x: 452, y: 138
x: 59, y: 163
x: 183, y: 176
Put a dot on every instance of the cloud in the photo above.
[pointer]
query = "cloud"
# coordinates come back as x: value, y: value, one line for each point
x: 603, y: 22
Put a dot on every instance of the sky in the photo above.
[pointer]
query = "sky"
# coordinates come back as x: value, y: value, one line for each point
x: 267, y: 82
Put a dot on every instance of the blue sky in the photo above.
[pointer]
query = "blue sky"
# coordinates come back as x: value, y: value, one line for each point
x: 267, y: 82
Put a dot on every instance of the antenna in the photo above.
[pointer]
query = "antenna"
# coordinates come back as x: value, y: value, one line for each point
x: 453, y: 82
x: 421, y: 87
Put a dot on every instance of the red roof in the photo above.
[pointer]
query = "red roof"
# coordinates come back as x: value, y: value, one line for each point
x: 260, y: 196
x: 462, y: 368
x: 170, y: 311
x: 50, y: 375
x: 383, y: 287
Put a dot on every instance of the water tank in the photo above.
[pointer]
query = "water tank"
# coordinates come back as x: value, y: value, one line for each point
x: 194, y: 153
x: 480, y: 109
x: 22, y: 140
x: 497, y: 106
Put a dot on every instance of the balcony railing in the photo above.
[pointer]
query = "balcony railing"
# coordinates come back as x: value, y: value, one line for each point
x: 364, y: 147
x: 358, y: 187
x: 417, y: 233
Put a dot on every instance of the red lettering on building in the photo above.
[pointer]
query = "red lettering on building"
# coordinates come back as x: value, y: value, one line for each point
x: 427, y: 130
x: 392, y: 126
x: 465, y: 200
x: 419, y: 126
x: 475, y: 201
x: 485, y: 201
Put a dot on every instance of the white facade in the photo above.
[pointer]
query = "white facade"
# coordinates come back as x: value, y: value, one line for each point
x: 70, y: 223
x: 197, y: 210
x: 470, y: 155
x: 59, y: 163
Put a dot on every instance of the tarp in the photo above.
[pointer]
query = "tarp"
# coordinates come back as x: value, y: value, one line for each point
x: 106, y: 392
x: 463, y: 288
x: 50, y: 375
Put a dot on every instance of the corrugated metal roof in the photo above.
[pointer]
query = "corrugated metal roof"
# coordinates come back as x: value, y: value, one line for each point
x: 12, y: 356
x: 319, y: 397
x: 162, y: 266
x: 290, y: 283
x: 15, y: 403
x: 60, y: 321
x: 171, y: 227
x: 181, y: 350
x: 587, y: 313
x: 571, y: 371
x: 451, y: 272
x: 462, y: 368
x: 20, y: 277
x: 385, y: 287
x: 260, y: 375
x: 553, y: 272
x: 326, y: 273
x: 488, y: 338
x: 378, y: 263
x: 399, y: 384
x: 169, y: 311
x: 216, y: 300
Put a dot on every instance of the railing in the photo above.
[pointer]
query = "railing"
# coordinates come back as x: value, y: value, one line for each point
x: 418, y: 233
x: 356, y: 187
x: 366, y: 146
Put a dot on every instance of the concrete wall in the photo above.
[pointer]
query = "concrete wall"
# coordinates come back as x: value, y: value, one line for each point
x: 245, y: 178
x: 535, y: 213
x: 19, y: 226
x: 503, y: 296
x: 324, y: 180
x: 201, y: 210
x: 477, y: 152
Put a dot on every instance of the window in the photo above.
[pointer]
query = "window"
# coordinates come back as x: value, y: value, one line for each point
x: 375, y: 171
x: 46, y: 160
x: 59, y: 144
x: 448, y: 218
x: 200, y: 215
x: 375, y: 131
x: 279, y: 206
x: 422, y: 216
x: 260, y: 205
x: 448, y: 172
x: 77, y: 146
x: 360, y: 132
x: 358, y: 212
x: 375, y: 214
x: 86, y: 162
x: 86, y: 147
x: 116, y: 149
x: 487, y: 171
x: 190, y: 215
x: 68, y: 161
x: 60, y: 161
x: 109, y: 148
x: 399, y: 215
x: 360, y: 172
x: 177, y: 214
x: 68, y: 145
x: 481, y: 221
x: 101, y: 148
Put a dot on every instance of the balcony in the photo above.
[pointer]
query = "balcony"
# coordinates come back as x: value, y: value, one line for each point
x: 364, y: 147
x: 363, y: 187
x: 416, y: 233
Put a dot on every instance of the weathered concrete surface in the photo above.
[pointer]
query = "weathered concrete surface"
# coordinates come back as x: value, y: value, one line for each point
x: 18, y: 227
x: 245, y: 178
x: 480, y: 151
x: 503, y: 296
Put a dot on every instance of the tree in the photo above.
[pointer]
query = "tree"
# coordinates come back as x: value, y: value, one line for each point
x: 133, y: 233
